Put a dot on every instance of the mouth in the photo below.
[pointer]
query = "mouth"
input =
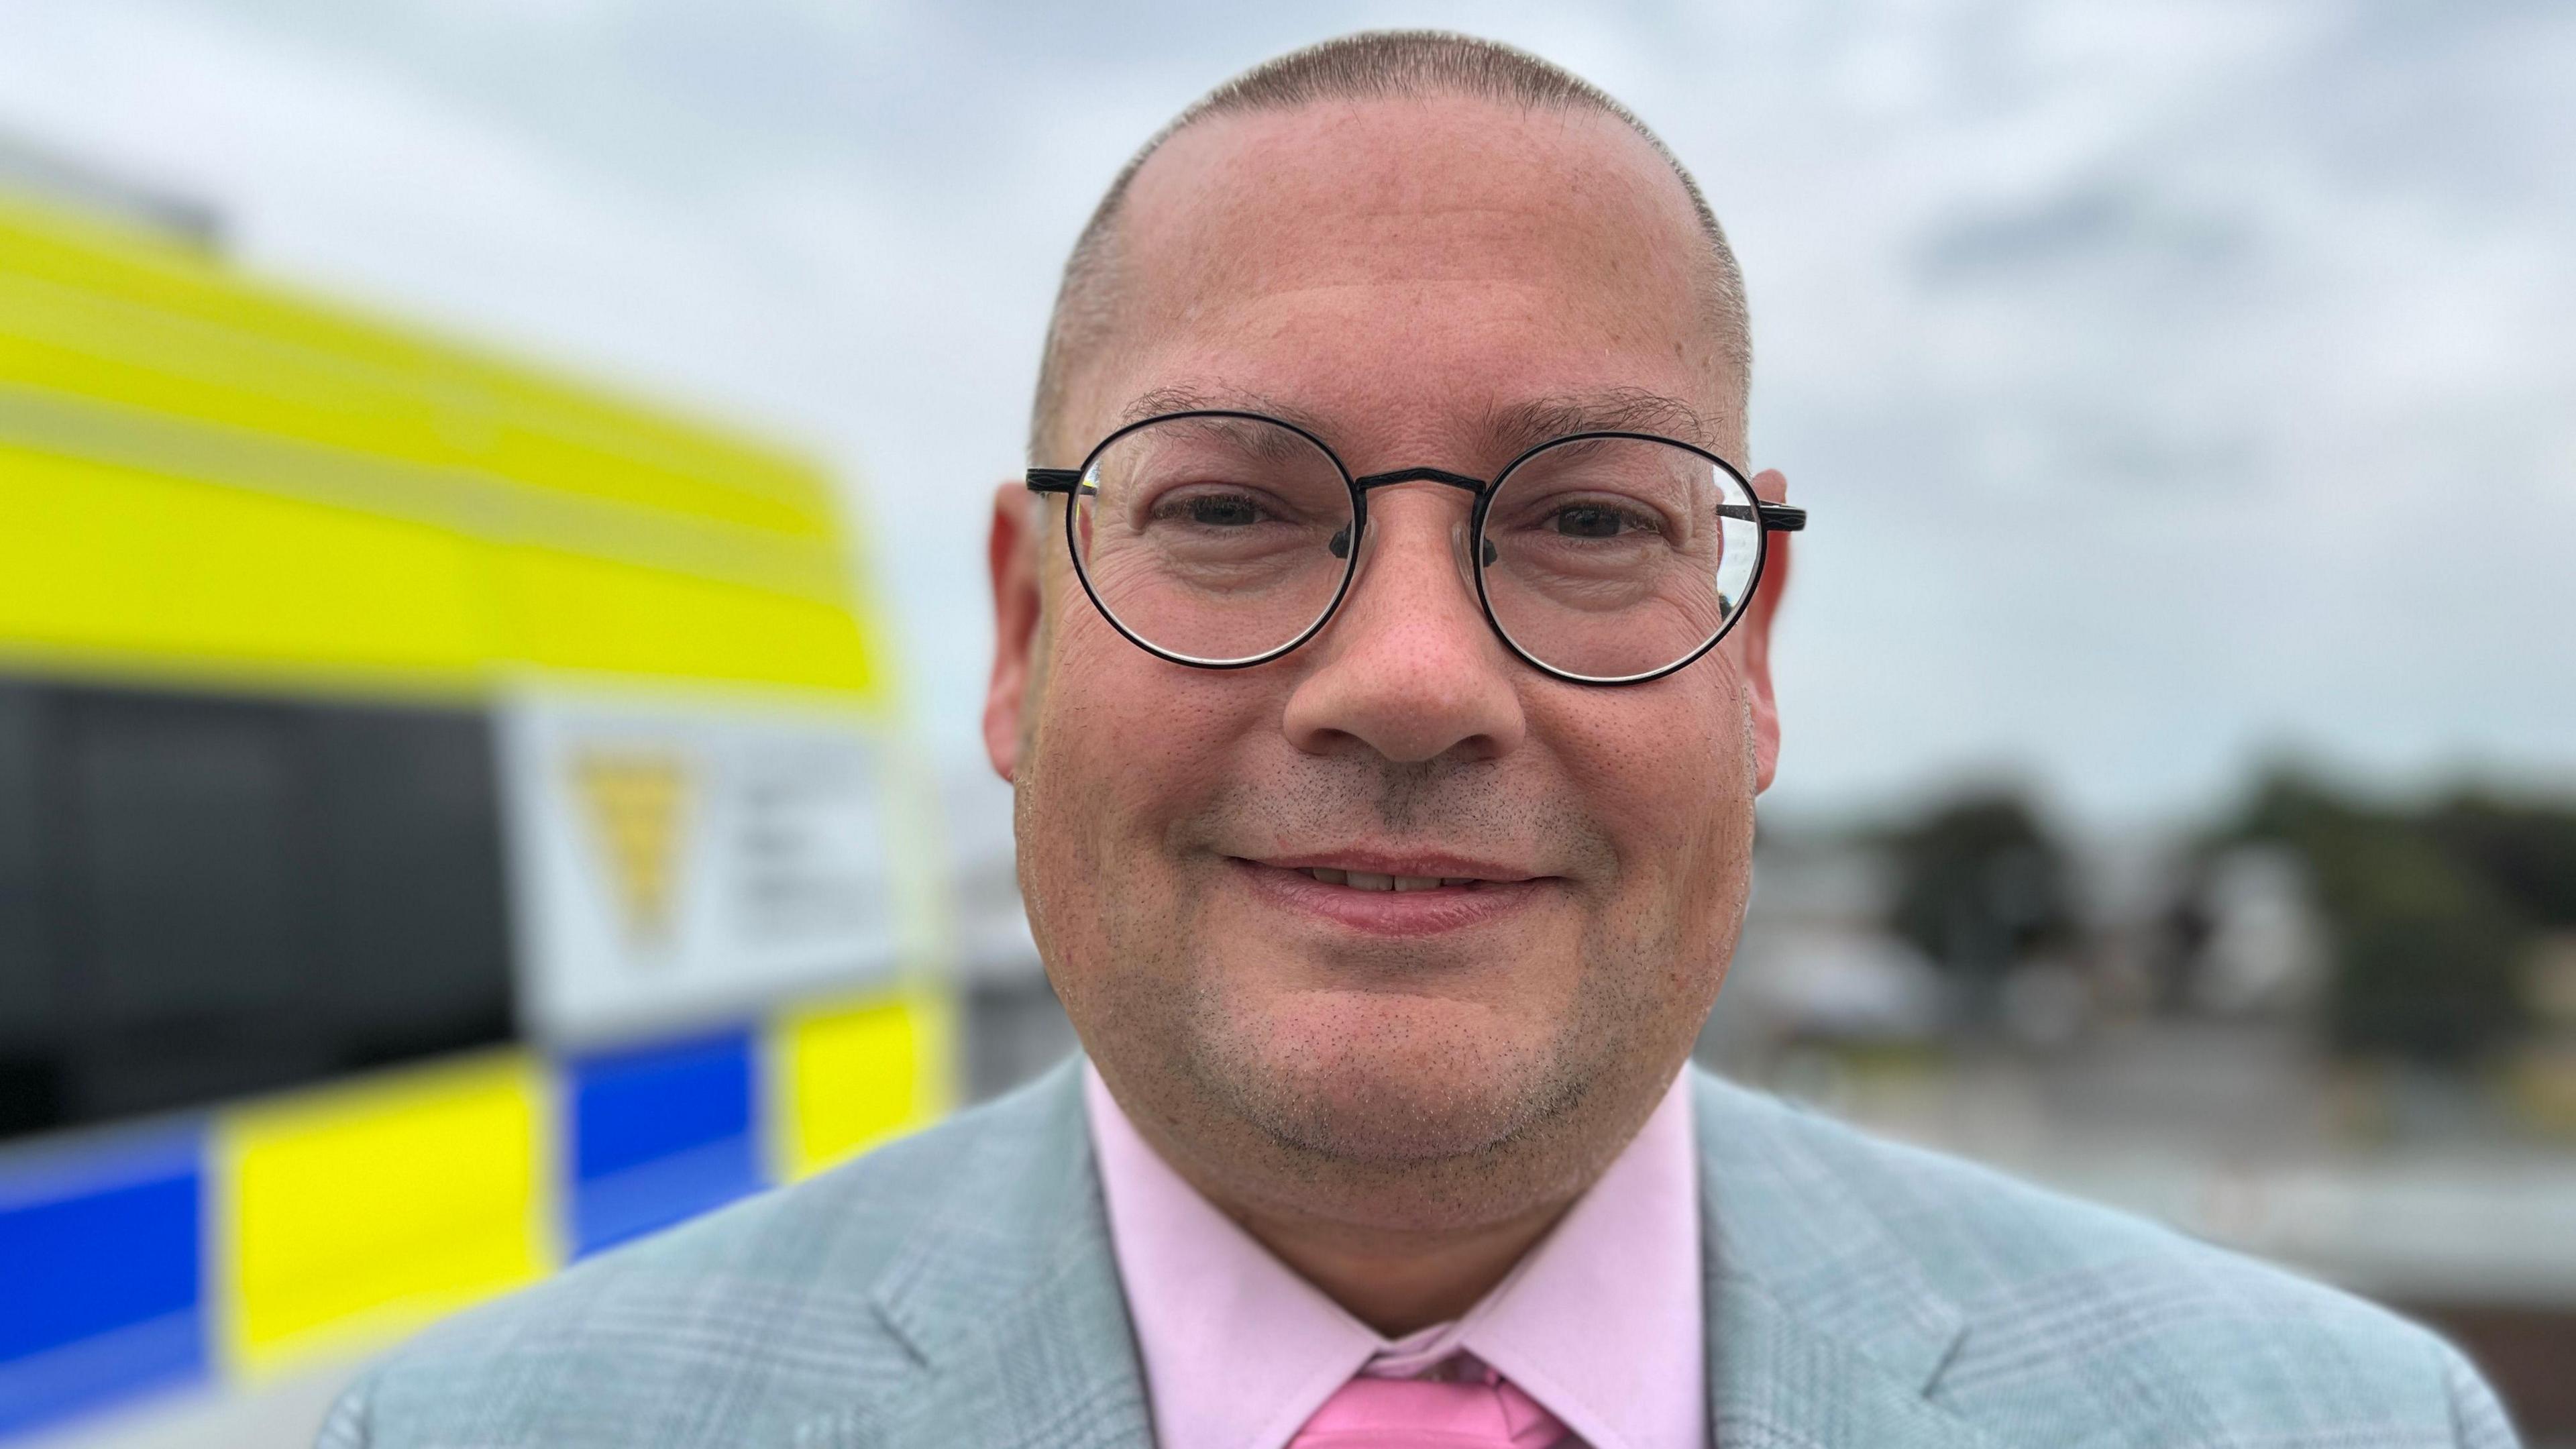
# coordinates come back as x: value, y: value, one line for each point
x: 1391, y: 895
x: 1363, y: 880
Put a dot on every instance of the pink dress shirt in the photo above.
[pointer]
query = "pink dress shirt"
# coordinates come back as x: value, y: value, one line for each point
x: 1600, y: 1323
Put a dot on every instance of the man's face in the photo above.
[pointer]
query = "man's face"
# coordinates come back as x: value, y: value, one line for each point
x: 1420, y: 283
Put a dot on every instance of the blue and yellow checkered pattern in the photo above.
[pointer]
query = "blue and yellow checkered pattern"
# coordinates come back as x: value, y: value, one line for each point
x: 250, y: 1240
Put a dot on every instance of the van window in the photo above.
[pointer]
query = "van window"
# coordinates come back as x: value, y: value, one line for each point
x: 217, y: 896
x: 31, y: 1086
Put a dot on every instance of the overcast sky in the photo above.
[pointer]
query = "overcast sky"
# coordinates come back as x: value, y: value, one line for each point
x: 2173, y: 384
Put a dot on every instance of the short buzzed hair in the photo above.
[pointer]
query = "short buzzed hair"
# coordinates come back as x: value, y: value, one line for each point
x: 1372, y: 65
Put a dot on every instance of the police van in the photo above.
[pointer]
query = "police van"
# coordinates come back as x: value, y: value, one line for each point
x: 451, y: 821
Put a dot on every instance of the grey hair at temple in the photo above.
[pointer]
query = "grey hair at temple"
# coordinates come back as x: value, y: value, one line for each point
x: 1373, y: 65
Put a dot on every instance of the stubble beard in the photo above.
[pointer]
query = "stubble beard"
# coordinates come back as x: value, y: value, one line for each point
x: 1372, y: 1138
x: 1261, y: 1121
x: 1402, y: 1128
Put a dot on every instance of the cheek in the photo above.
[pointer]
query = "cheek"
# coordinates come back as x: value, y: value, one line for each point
x: 1124, y: 746
x: 1133, y: 736
x: 1668, y: 770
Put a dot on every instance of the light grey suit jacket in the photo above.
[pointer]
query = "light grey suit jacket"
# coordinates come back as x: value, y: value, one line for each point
x: 957, y: 1288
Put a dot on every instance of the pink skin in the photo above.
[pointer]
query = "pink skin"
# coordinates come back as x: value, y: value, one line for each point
x: 1397, y: 1091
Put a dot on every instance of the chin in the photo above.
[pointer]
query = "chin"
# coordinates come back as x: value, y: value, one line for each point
x: 1388, y: 1079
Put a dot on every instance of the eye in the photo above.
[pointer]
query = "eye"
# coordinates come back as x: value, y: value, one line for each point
x: 1211, y: 510
x: 1592, y: 520
x: 1223, y: 510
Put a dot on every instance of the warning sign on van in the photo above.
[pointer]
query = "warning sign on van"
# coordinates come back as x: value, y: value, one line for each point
x: 675, y: 863
x: 632, y: 800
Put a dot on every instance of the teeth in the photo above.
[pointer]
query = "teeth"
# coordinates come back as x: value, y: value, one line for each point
x: 1366, y: 881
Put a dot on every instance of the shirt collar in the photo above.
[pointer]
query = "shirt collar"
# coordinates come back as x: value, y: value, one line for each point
x: 1601, y: 1323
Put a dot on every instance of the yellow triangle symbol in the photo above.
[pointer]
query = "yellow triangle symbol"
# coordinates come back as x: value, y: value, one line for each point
x: 634, y: 800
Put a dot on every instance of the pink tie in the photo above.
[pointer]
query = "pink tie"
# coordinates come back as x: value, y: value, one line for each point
x: 1481, y: 1413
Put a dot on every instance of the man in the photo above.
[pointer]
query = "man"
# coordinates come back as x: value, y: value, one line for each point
x: 1384, y: 679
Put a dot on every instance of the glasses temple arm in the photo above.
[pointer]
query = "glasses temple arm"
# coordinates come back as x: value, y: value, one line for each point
x: 1776, y: 517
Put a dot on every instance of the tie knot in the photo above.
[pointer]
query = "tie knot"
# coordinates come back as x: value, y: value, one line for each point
x: 1476, y: 1411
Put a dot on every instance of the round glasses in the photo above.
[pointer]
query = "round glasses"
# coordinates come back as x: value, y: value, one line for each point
x: 1225, y: 539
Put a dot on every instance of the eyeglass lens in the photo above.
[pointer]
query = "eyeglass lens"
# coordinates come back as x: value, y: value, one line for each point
x: 1221, y: 540
x: 1214, y: 539
x: 1610, y: 558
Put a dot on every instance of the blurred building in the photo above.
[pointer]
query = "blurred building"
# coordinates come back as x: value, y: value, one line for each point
x: 1014, y: 1027
x: 2185, y: 1047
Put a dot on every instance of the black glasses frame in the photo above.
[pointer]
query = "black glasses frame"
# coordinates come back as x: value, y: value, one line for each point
x: 1772, y: 518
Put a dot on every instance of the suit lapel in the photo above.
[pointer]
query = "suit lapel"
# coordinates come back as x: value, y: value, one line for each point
x: 1776, y: 1381
x: 1056, y: 1368
x: 1008, y: 1299
x: 1823, y: 1331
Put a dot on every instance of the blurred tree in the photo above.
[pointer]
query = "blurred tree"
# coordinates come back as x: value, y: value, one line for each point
x: 2525, y: 848
x: 1980, y: 886
x: 2430, y: 911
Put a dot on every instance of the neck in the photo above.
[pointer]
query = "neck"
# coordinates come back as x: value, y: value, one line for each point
x: 1396, y: 1278
x: 1392, y: 1245
x: 1398, y: 1282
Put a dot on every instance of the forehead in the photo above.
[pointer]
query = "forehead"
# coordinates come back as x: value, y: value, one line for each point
x: 1404, y: 272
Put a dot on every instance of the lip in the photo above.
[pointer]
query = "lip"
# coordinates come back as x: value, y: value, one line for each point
x: 1500, y: 892
x: 1431, y: 866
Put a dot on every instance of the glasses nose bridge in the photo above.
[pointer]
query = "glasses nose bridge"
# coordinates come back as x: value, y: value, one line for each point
x: 1419, y: 475
x: 1474, y: 487
x: 1457, y: 535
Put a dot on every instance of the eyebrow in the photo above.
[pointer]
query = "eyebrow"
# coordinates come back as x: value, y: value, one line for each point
x: 1509, y: 429
x: 1521, y: 426
x: 1215, y: 397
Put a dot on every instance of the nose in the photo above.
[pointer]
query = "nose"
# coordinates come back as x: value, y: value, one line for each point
x: 1408, y: 667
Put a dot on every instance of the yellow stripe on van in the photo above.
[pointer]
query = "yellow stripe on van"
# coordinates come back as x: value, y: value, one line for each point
x: 93, y: 311
x: 112, y: 563
x: 355, y: 1214
x: 211, y: 479
x: 577, y: 613
x: 846, y: 1076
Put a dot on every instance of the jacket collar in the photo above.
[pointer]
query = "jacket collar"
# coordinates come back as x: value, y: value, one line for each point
x: 1006, y: 1296
x: 1822, y: 1328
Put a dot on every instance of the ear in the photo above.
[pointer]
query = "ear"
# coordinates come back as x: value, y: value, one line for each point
x: 1751, y: 639
x: 1011, y: 554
